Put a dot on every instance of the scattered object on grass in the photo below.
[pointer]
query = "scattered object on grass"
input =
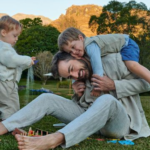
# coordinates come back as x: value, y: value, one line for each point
x: 122, y: 142
x: 126, y: 142
x: 30, y: 132
x: 36, y: 61
x: 19, y: 131
x: 39, y: 91
x: 100, y: 139
x: 59, y: 125
x: 21, y: 87
x: 42, y: 132
x: 37, y: 132
x: 113, y: 141
x: 88, y: 138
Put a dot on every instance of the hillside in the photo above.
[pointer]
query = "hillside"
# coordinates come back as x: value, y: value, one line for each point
x: 77, y: 16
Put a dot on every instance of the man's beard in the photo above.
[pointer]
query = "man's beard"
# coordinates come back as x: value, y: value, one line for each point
x: 87, y: 69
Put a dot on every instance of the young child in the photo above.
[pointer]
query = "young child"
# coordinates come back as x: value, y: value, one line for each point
x: 73, y: 41
x: 11, y: 66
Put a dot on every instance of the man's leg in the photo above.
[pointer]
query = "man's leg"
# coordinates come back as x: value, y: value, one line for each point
x: 106, y: 113
x: 104, y: 110
x: 45, y: 104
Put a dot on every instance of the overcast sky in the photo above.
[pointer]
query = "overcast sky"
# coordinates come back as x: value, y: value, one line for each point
x: 49, y: 8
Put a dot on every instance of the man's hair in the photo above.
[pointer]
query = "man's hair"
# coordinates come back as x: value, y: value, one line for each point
x: 59, y: 56
x: 8, y: 23
x: 70, y: 34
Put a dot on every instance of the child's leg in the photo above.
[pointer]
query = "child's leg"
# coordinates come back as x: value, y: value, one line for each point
x: 138, y: 69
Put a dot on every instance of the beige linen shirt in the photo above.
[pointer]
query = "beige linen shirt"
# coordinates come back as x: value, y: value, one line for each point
x: 128, y: 87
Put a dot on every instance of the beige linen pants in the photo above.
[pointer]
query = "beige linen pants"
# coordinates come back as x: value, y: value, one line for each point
x: 9, y: 99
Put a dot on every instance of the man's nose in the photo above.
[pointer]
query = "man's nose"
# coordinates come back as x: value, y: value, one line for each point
x: 74, y: 74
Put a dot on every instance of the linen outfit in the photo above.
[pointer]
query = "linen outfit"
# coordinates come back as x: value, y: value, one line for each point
x: 94, y: 45
x: 11, y: 67
x: 119, y: 115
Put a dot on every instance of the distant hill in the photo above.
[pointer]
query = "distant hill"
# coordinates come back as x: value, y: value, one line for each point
x: 21, y: 16
x: 2, y: 14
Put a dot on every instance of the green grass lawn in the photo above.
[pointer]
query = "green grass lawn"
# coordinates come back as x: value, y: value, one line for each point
x: 8, y: 141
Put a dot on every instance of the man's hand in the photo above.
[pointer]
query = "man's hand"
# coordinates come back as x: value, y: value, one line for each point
x: 78, y: 87
x: 104, y: 83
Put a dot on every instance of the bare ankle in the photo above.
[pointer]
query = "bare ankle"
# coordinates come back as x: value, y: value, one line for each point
x: 3, y: 129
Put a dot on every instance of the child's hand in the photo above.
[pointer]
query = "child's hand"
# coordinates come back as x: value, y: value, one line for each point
x: 32, y: 62
x: 33, y: 58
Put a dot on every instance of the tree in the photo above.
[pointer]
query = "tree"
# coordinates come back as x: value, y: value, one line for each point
x: 117, y: 17
x: 28, y: 22
x: 144, y: 44
x: 43, y: 66
x: 37, y: 39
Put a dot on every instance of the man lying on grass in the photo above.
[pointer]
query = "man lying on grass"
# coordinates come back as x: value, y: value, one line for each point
x: 118, y: 114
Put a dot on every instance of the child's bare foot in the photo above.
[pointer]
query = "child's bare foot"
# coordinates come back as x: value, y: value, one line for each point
x: 47, y: 142
x: 95, y: 93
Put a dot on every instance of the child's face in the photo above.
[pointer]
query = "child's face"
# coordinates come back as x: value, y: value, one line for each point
x: 11, y: 37
x: 75, y: 48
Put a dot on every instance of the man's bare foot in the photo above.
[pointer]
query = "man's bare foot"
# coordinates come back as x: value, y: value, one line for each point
x: 95, y: 93
x: 3, y: 130
x: 47, y: 142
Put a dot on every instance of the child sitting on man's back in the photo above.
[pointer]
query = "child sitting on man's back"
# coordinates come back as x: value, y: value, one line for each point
x: 73, y: 41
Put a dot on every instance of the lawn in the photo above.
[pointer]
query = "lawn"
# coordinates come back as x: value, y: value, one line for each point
x: 8, y: 141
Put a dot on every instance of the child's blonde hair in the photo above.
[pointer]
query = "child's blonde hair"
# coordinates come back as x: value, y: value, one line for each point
x: 68, y: 35
x: 8, y: 23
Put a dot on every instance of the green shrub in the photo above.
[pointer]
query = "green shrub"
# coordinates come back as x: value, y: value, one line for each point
x: 64, y: 84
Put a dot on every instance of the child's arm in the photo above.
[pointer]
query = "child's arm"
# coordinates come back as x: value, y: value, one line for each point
x: 11, y: 59
x: 94, y: 53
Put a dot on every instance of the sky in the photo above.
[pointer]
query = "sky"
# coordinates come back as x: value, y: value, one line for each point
x: 49, y: 8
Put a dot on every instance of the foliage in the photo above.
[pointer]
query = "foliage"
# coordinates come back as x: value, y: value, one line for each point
x: 117, y: 17
x: 144, y: 44
x: 37, y: 39
x: 43, y: 66
x: 64, y: 84
x: 28, y: 22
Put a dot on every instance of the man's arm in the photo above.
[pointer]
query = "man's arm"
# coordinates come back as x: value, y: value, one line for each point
x: 130, y: 87
x: 120, y: 79
x: 122, y: 87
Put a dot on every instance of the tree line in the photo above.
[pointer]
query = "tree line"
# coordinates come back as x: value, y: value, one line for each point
x: 117, y: 17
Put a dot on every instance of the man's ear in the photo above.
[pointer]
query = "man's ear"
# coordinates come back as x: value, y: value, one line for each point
x: 80, y: 37
x: 3, y: 32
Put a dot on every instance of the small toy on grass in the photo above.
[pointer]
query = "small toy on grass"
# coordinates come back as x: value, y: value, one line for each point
x: 30, y: 132
x: 122, y: 142
x: 19, y: 131
x: 126, y: 142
